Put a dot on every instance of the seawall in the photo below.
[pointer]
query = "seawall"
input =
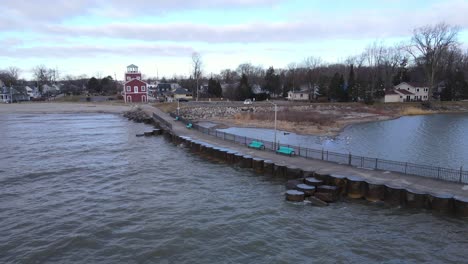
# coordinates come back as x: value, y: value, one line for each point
x: 391, y: 188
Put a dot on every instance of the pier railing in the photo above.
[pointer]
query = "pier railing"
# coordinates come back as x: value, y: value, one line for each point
x: 440, y: 173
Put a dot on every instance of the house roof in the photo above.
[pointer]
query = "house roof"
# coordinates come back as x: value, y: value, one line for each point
x: 405, y: 92
x: 181, y: 91
x: 132, y: 66
x: 416, y: 84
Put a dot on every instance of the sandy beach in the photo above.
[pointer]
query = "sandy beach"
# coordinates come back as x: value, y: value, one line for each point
x: 62, y: 108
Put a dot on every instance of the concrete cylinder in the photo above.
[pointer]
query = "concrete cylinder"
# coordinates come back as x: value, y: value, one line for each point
x: 293, y: 172
x: 279, y: 170
x: 308, y: 190
x: 325, y: 177
x: 294, y: 196
x: 355, y: 187
x: 327, y: 193
x: 246, y: 161
x: 308, y: 173
x: 461, y: 206
x: 375, y: 192
x: 313, y: 181
x: 238, y: 157
x: 394, y: 195
x: 291, y: 184
x: 268, y: 167
x: 340, y: 181
x: 441, y: 203
x: 257, y: 165
x: 194, y: 146
x: 230, y: 157
x: 415, y: 199
x: 222, y: 155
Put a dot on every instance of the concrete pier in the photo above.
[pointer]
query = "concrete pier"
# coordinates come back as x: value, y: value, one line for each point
x: 398, y: 189
x: 295, y: 196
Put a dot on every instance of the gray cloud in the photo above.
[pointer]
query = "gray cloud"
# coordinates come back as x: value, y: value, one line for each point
x: 78, y: 51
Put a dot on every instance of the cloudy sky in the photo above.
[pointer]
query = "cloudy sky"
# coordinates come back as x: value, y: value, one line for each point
x: 102, y: 37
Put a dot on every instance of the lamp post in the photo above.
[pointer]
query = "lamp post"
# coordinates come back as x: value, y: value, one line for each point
x: 276, y: 110
x: 178, y: 107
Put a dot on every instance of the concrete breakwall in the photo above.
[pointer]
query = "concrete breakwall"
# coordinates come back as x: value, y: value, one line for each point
x: 327, y: 186
x: 344, y: 186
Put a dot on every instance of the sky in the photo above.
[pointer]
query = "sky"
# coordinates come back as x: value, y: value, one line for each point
x: 100, y: 38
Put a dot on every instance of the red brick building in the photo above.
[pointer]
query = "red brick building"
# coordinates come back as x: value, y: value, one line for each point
x: 135, y: 90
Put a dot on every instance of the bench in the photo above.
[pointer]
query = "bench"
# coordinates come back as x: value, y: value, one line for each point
x: 286, y: 151
x: 176, y: 118
x: 189, y: 125
x: 256, y: 145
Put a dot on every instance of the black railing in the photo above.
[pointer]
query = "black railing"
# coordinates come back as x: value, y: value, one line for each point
x: 439, y: 173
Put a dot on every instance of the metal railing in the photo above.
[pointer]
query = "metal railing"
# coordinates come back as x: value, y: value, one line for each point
x: 439, y: 173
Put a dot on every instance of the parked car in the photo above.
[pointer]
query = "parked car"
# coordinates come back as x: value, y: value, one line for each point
x: 247, y: 101
x: 183, y: 100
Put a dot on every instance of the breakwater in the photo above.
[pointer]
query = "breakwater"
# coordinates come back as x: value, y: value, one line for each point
x: 349, y: 185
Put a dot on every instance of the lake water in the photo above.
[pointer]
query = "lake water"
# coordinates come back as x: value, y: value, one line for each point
x: 84, y: 189
x: 436, y: 140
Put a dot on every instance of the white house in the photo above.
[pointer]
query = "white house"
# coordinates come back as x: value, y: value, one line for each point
x: 298, y: 96
x: 407, y: 92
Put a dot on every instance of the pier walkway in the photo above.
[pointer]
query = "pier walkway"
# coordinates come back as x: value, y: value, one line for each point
x: 414, y: 183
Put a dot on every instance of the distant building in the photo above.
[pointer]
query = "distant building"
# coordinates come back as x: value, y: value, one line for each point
x: 13, y: 94
x: 179, y: 94
x: 407, y: 92
x: 135, y: 90
x: 298, y: 96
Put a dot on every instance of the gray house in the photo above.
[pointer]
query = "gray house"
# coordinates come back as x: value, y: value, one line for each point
x: 13, y: 94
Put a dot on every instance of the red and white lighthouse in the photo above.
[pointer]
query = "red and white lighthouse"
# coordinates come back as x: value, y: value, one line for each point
x: 135, y: 90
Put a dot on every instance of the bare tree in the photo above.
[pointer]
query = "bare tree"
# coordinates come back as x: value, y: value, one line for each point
x: 196, y: 68
x: 428, y: 45
x: 10, y: 76
x: 312, y: 66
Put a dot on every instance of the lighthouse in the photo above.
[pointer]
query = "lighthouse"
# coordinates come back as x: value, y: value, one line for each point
x: 135, y: 90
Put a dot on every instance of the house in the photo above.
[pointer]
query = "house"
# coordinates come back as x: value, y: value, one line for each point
x: 13, y: 94
x: 135, y: 90
x: 298, y: 96
x: 179, y: 94
x: 32, y: 92
x: 407, y: 92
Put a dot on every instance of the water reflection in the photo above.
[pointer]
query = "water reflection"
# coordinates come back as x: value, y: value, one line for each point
x: 437, y: 140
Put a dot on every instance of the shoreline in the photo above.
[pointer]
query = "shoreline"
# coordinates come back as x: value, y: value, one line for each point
x: 62, y: 108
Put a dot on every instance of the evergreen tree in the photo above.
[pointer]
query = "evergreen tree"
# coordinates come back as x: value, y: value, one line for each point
x: 352, y: 89
x: 334, y: 88
x: 244, y: 91
x: 214, y: 88
x: 272, y: 81
x: 402, y: 74
x: 342, y: 90
x: 94, y: 86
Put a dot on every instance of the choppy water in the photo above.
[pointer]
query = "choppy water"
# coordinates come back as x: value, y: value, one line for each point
x: 84, y: 189
x: 436, y: 140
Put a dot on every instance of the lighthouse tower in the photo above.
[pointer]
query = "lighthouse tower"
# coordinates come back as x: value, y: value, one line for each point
x: 135, y: 90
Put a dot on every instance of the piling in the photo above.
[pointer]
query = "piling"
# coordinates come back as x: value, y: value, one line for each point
x: 415, y: 199
x: 340, y: 181
x: 313, y: 181
x: 268, y: 167
x: 238, y: 158
x: 441, y: 203
x: 257, y: 165
x: 230, y: 157
x: 291, y: 184
x: 246, y: 161
x: 279, y: 170
x: 293, y: 172
x: 327, y: 193
x: 355, y: 187
x: 375, y: 191
x: 394, y: 195
x: 308, y: 190
x: 461, y: 206
x: 294, y: 196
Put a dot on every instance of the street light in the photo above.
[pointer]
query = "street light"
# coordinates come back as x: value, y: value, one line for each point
x: 178, y: 107
x: 276, y: 110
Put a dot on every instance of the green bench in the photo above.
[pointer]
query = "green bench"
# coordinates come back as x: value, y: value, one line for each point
x: 189, y: 125
x: 176, y: 118
x: 256, y: 145
x: 286, y: 151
